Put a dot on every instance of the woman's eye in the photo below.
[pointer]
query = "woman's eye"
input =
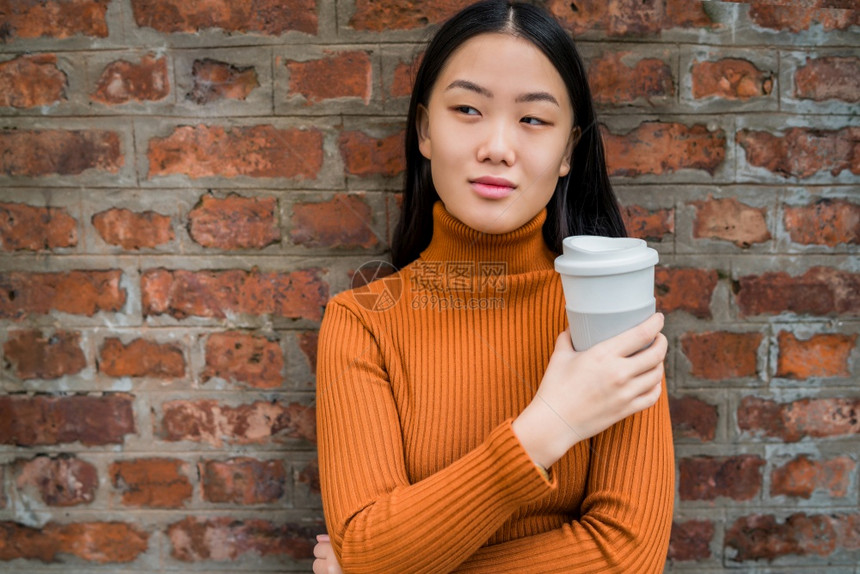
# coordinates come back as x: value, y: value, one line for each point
x: 533, y: 121
x: 468, y: 110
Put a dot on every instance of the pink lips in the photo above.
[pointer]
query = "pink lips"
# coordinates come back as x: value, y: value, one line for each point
x: 492, y: 187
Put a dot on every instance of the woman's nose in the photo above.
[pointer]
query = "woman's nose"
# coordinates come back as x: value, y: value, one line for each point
x: 498, y: 144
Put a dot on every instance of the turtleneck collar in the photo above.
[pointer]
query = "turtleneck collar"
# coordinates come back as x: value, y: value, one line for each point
x: 521, y: 250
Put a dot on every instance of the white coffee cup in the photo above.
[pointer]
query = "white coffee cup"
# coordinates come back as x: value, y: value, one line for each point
x: 608, y: 286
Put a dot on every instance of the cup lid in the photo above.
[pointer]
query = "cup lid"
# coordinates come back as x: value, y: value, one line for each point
x: 597, y: 255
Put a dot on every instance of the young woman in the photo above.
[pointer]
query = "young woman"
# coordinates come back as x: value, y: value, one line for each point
x: 458, y: 429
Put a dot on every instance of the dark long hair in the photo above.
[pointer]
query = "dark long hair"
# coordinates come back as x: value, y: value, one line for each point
x: 583, y: 202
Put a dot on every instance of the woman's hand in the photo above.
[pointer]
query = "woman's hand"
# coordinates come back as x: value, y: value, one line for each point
x: 326, y: 561
x: 582, y: 394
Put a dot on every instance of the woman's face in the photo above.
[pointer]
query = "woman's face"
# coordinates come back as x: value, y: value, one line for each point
x: 498, y: 131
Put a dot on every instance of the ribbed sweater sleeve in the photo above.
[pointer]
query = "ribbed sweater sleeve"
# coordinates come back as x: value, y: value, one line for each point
x: 377, y: 520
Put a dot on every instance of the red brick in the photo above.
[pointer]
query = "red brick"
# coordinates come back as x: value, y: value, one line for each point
x: 46, y: 420
x: 124, y: 81
x: 2, y: 488
x: 730, y: 79
x: 652, y: 225
x: 180, y: 293
x: 101, y: 542
x: 803, y: 152
x: 267, y: 17
x: 32, y: 80
x: 825, y: 222
x: 244, y: 358
x: 730, y: 220
x: 213, y: 422
x: 77, y: 292
x: 691, y: 540
x: 364, y: 155
x: 687, y: 290
x: 54, y: 18
x: 708, y: 478
x: 27, y: 227
x: 141, y: 358
x: 629, y: 17
x: 35, y: 356
x: 61, y: 481
x: 686, y: 14
x: 343, y: 221
x: 385, y: 15
x: 152, y: 482
x: 801, y: 476
x: 659, y: 148
x: 251, y: 151
x: 614, y: 82
x: 310, y: 475
x: 824, y: 355
x: 404, y: 77
x: 35, y: 153
x: 800, y: 18
x: 761, y: 537
x: 243, y: 480
x: 312, y: 79
x: 235, y: 222
x: 693, y: 418
x: 790, y: 422
x: 828, y: 78
x: 226, y: 539
x: 214, y: 80
x: 308, y: 341
x: 133, y: 230
x: 722, y: 355
x: 819, y: 291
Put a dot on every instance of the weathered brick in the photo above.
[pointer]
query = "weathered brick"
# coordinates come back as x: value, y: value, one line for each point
x: 826, y: 78
x: 32, y: 80
x: 28, y: 227
x: 343, y: 221
x: 384, y: 15
x: 803, y: 152
x: 708, y: 478
x: 35, y: 356
x: 54, y: 18
x: 35, y: 153
x: 684, y: 289
x: 762, y: 537
x: 244, y: 358
x: 612, y: 81
x: 100, y: 542
x: 310, y: 475
x: 792, y: 421
x: 152, y: 482
x: 76, y: 292
x: 215, y: 80
x: 133, y: 230
x: 235, y: 222
x: 656, y: 148
x: 819, y: 291
x: 243, y: 480
x: 226, y: 539
x: 124, y: 81
x: 799, y: 17
x: 364, y: 155
x: 251, y: 151
x: 801, y: 476
x: 308, y: 341
x: 2, y: 487
x: 46, y: 420
x: 213, y: 422
x: 825, y: 222
x: 312, y: 79
x: 629, y: 17
x: 691, y: 540
x: 730, y: 79
x: 823, y: 355
x: 649, y: 224
x: 693, y: 418
x: 61, y: 481
x: 268, y: 17
x: 141, y: 358
x: 180, y: 293
x: 730, y: 220
x: 719, y: 355
x: 404, y: 77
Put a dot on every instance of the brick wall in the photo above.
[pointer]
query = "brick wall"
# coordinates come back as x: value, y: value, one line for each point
x: 184, y: 184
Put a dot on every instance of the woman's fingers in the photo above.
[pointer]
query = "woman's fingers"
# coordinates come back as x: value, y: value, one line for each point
x: 637, y: 338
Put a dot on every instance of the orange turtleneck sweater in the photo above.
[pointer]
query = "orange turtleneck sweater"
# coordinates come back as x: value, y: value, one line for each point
x: 419, y: 377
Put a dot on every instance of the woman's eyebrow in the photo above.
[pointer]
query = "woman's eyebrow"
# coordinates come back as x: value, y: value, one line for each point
x: 537, y: 97
x: 527, y: 97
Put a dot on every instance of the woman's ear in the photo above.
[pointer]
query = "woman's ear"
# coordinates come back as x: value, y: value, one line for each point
x: 422, y: 126
x: 575, y: 134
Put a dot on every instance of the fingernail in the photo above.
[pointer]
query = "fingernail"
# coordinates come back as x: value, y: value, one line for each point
x: 323, y: 538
